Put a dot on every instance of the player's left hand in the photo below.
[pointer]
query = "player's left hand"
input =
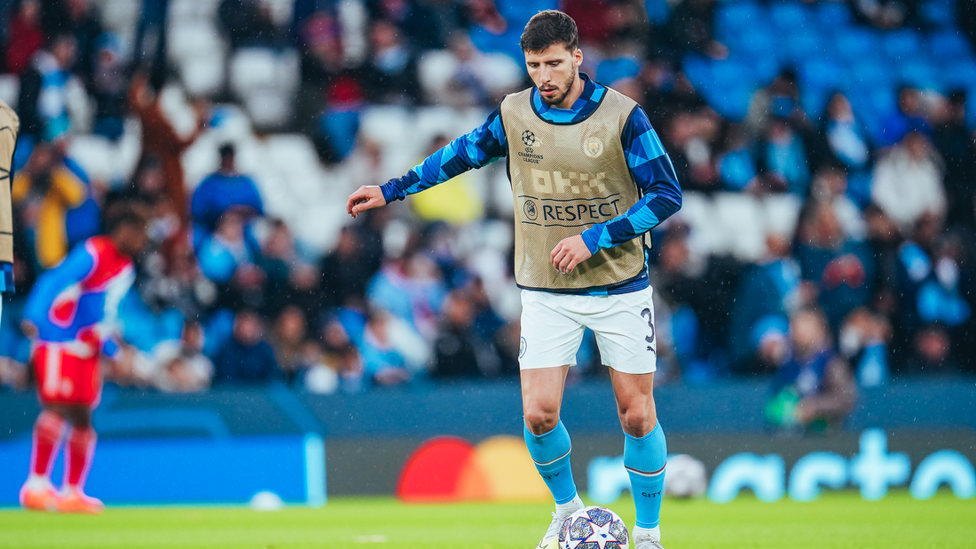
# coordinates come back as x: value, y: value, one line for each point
x: 365, y: 198
x: 569, y: 253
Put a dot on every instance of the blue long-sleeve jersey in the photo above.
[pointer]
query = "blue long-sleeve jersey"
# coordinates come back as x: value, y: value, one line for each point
x: 647, y: 160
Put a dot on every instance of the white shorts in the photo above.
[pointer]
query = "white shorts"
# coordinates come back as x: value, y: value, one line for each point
x: 553, y: 324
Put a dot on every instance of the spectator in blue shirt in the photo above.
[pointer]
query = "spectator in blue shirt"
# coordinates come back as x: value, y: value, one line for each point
x: 247, y: 357
x: 221, y: 191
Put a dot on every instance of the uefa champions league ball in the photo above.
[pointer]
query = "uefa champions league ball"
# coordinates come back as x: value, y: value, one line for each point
x: 594, y: 528
x: 685, y: 477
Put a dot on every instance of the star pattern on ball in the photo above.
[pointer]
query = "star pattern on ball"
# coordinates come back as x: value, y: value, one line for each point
x: 601, y: 538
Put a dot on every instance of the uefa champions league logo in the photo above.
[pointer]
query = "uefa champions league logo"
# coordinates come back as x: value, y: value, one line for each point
x: 528, y: 138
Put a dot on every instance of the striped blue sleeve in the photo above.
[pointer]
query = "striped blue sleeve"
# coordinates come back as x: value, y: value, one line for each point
x: 75, y: 267
x: 473, y: 150
x: 653, y: 173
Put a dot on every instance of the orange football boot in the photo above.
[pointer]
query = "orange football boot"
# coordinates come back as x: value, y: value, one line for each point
x: 75, y: 501
x: 38, y: 497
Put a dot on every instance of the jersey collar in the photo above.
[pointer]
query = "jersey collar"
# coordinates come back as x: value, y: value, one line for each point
x: 582, y: 108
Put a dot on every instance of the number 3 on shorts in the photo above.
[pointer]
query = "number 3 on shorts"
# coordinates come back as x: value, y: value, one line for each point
x: 646, y: 313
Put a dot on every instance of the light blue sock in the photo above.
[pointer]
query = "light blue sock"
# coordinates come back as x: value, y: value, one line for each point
x: 550, y: 452
x: 644, y: 459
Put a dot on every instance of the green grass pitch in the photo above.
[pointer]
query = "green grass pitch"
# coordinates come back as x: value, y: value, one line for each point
x: 836, y: 520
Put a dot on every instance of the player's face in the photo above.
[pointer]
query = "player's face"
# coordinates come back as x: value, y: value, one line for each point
x: 554, y: 73
x: 132, y: 239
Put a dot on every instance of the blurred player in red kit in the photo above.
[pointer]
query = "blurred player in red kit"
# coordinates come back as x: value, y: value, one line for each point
x: 70, y: 317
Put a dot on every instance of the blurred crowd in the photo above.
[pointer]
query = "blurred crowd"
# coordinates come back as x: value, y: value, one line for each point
x: 873, y: 277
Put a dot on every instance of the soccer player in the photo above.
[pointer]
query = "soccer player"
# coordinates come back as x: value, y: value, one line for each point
x: 589, y: 179
x: 9, y: 126
x: 69, y: 317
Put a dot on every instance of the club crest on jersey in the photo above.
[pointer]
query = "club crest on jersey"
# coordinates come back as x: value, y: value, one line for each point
x: 522, y: 346
x: 593, y: 147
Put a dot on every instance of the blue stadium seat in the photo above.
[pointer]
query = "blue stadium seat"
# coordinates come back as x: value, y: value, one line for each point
x: 873, y: 106
x: 814, y: 100
x: 740, y: 15
x: 767, y: 68
x: 611, y: 70
x: 958, y: 75
x: 761, y: 43
x: 698, y: 70
x: 733, y: 71
x: 869, y: 74
x: 804, y: 44
x: 834, y: 16
x: 920, y: 74
x: 819, y: 79
x: 901, y: 44
x: 939, y: 13
x: 949, y: 44
x: 857, y: 44
x: 822, y: 73
x: 732, y: 101
x: 788, y: 15
x: 736, y: 21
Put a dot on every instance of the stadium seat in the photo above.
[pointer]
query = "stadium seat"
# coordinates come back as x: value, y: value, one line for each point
x: 814, y: 100
x: 266, y: 80
x: 733, y: 71
x: 120, y: 16
x: 9, y: 88
x: 822, y: 73
x: 435, y: 69
x: 806, y: 44
x: 192, y: 38
x: 203, y: 75
x: 507, y: 75
x: 741, y: 217
x: 387, y: 125
x: 789, y: 16
x: 939, y: 13
x: 920, y: 74
x: 731, y: 101
x: 182, y: 11
x: 613, y: 69
x: 94, y: 154
x: 960, y: 74
x: 869, y: 74
x: 834, y: 16
x: 949, y: 44
x: 901, y: 44
x: 780, y: 213
x: 252, y: 68
x: 762, y: 43
x: 856, y: 43
x: 698, y: 69
x: 740, y: 16
x: 698, y: 212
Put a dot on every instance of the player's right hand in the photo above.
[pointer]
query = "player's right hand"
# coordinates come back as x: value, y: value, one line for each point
x: 365, y: 198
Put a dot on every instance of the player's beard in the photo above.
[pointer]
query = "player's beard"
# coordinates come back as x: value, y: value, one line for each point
x: 559, y: 97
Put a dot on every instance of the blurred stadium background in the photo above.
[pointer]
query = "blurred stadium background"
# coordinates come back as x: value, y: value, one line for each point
x: 827, y: 153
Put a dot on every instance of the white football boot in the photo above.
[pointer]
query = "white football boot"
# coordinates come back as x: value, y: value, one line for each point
x: 551, y: 539
x: 644, y: 538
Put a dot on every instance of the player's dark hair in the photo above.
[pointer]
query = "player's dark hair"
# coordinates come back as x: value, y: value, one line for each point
x: 547, y: 28
x: 124, y: 212
x: 227, y: 150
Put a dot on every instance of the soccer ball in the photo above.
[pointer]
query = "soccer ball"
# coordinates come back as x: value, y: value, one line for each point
x: 685, y: 477
x: 594, y: 528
